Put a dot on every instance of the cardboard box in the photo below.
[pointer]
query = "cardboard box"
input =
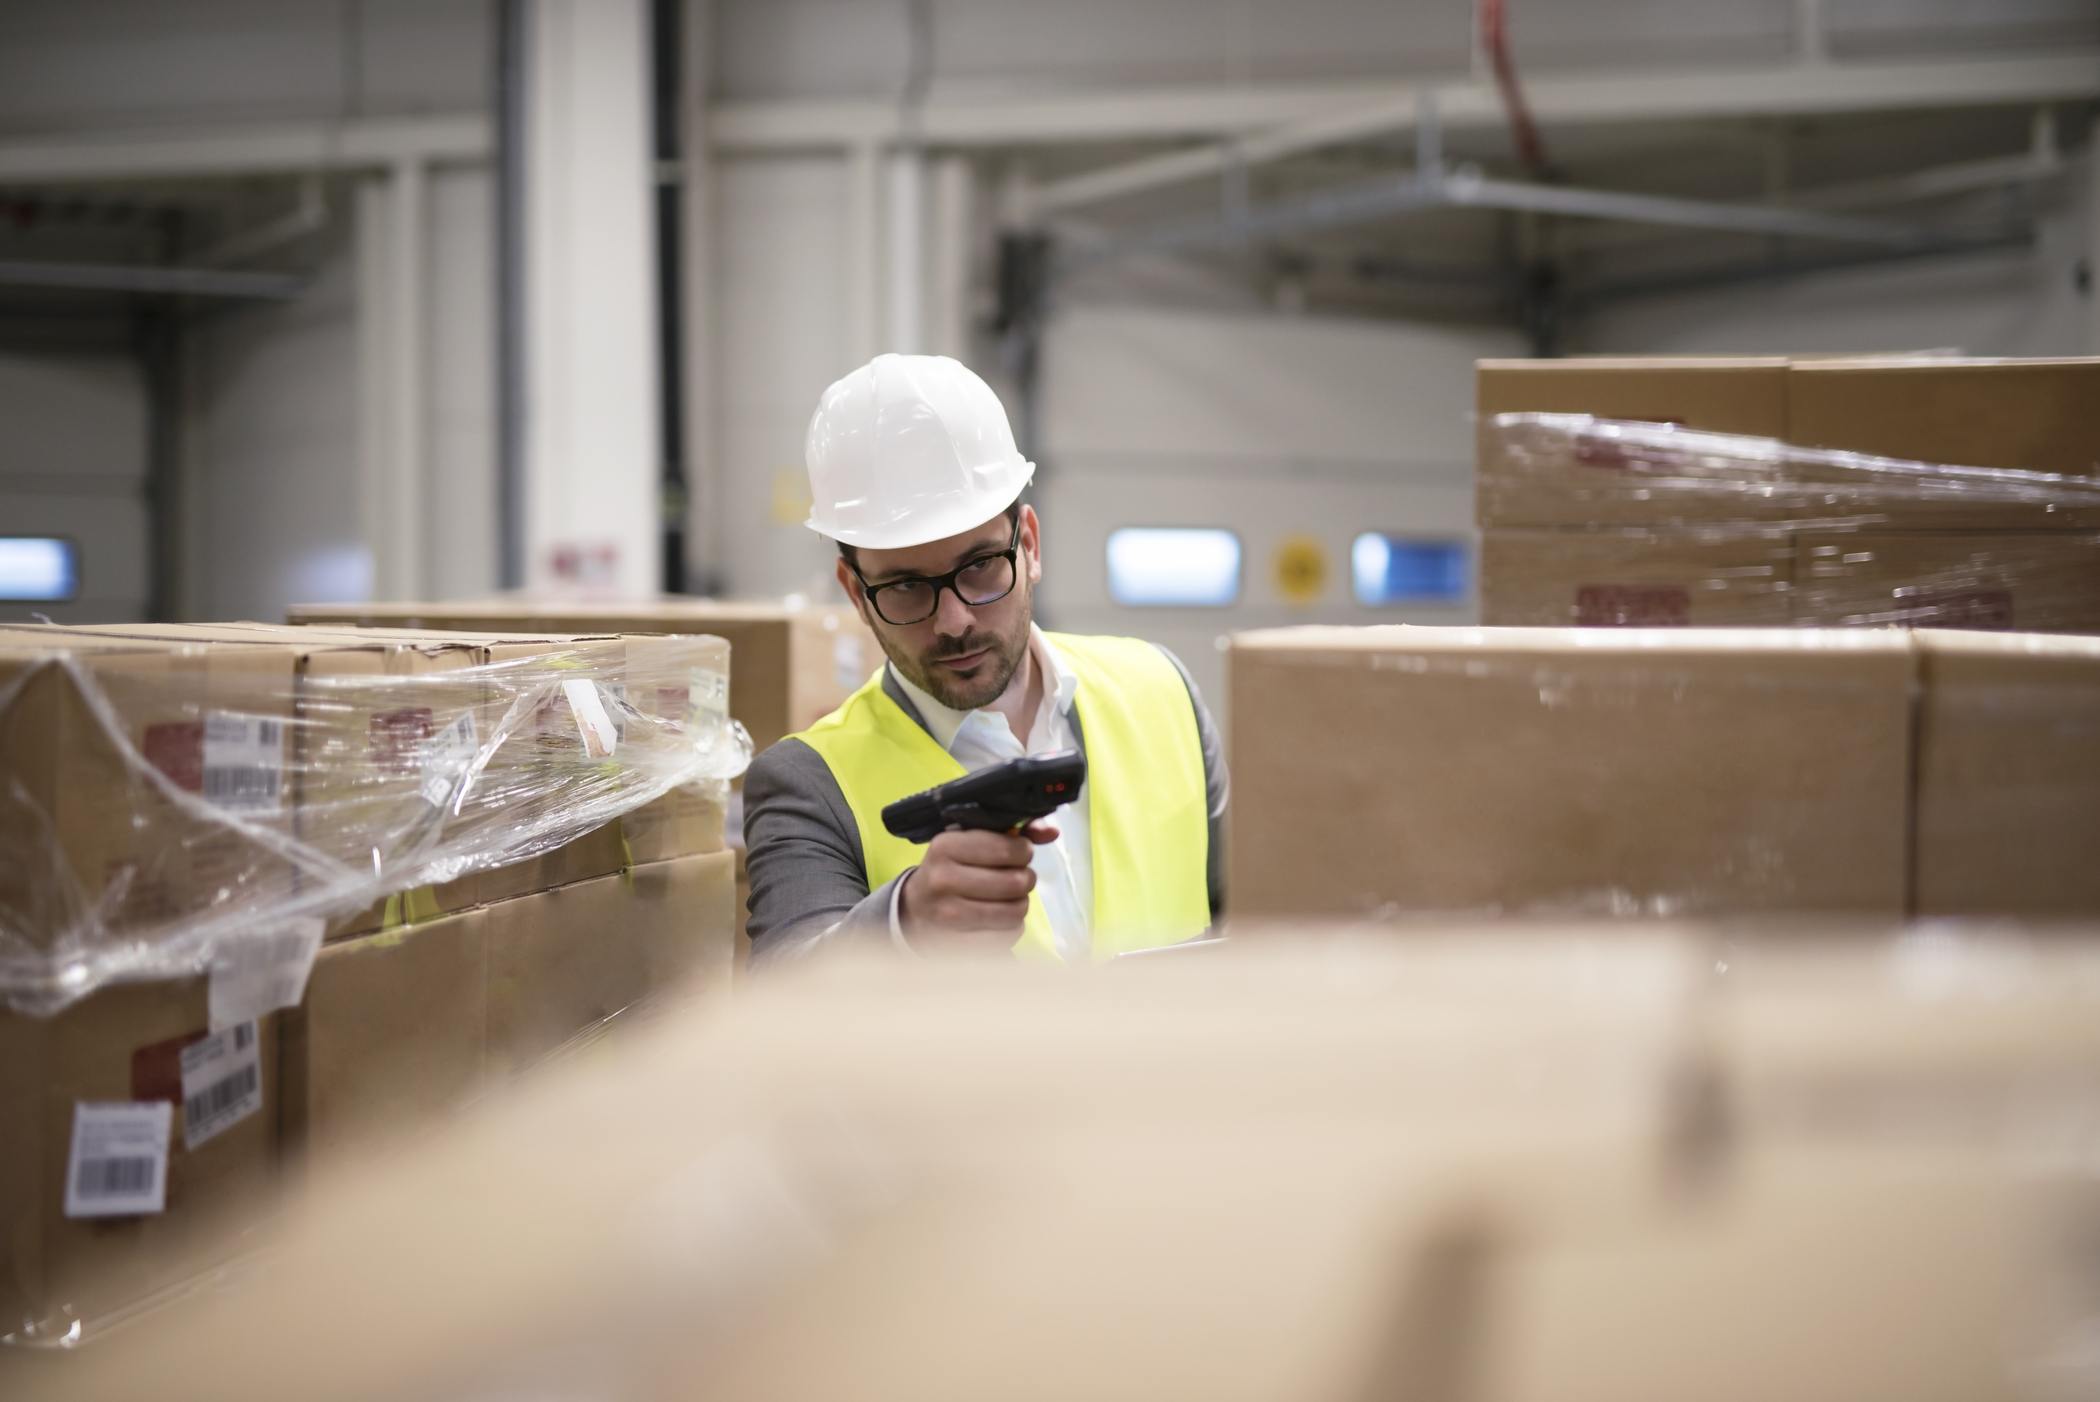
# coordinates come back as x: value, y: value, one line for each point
x: 2033, y: 581
x: 1636, y: 578
x: 1334, y: 1203
x: 397, y: 1029
x: 2030, y: 415
x: 2025, y: 415
x: 2008, y: 797
x: 674, y: 673
x: 1660, y: 771
x: 561, y: 962
x: 684, y: 911
x: 1569, y: 486
x: 392, y: 1035
x: 366, y: 700
x: 660, y: 682
x: 94, y: 833
x: 120, y: 1044
x: 363, y: 708
x: 1716, y: 394
x: 789, y: 666
x: 2029, y: 582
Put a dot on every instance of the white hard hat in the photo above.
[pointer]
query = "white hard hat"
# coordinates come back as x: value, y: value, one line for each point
x: 907, y: 449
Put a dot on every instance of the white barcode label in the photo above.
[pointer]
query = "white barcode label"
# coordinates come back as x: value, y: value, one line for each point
x: 221, y: 1083
x: 119, y: 1163
x: 447, y: 756
x: 600, y: 740
x: 849, y: 665
x: 244, y: 762
x: 262, y: 969
x: 707, y: 697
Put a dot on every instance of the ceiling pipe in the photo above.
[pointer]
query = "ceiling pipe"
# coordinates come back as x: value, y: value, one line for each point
x: 1494, y: 37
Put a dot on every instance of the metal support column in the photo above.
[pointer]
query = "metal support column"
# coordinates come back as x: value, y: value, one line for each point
x: 510, y: 292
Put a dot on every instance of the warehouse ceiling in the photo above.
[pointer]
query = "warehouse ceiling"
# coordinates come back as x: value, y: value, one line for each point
x: 1466, y: 263
x: 348, y: 60
x: 1266, y: 231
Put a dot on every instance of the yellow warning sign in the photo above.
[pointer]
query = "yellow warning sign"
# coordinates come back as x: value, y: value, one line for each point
x: 1300, y: 570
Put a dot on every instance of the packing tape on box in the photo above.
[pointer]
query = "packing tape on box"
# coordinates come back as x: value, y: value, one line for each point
x: 169, y: 811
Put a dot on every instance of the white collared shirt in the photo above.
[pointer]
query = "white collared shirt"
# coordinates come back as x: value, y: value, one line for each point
x: 1064, y: 869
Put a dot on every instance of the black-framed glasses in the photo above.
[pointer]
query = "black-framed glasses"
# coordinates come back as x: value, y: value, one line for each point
x: 983, y: 580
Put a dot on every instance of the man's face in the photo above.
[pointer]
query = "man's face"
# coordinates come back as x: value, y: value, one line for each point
x: 963, y: 656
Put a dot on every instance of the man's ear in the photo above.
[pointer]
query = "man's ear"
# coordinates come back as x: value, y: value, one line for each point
x: 1032, y: 543
x: 855, y: 595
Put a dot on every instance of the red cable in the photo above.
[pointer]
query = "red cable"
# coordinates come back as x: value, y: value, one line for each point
x: 1494, y: 37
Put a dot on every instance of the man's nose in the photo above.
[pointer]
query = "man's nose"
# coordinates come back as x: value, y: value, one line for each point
x: 951, y: 616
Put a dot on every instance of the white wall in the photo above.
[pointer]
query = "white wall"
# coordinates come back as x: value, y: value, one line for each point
x: 592, y: 466
x: 280, y: 424
x: 2022, y: 303
x: 460, y: 452
x: 271, y: 462
x: 73, y: 465
x: 1272, y: 426
x: 781, y: 338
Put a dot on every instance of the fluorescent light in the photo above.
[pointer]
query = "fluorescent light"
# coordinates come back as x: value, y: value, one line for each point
x: 37, y: 569
x: 1167, y: 565
x: 1396, y: 570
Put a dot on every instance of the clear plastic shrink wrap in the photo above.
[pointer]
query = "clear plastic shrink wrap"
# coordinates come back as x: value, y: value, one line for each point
x: 1606, y: 522
x: 177, y: 806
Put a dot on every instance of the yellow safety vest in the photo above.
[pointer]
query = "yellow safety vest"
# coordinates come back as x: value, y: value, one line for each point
x: 1145, y: 789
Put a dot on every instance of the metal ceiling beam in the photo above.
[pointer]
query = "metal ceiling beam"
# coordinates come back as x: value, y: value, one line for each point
x: 269, y: 148
x: 110, y: 277
x: 1433, y: 188
x: 1699, y: 280
x: 1482, y: 193
x: 1265, y: 120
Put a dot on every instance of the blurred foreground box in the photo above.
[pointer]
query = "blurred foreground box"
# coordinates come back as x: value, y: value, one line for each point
x: 1663, y: 771
x: 1510, y: 1163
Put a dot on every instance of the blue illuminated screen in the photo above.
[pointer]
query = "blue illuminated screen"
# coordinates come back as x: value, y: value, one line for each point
x: 1396, y: 570
x: 1191, y: 567
x: 37, y: 569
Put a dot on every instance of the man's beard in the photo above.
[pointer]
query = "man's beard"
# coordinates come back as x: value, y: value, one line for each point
x: 1003, y: 657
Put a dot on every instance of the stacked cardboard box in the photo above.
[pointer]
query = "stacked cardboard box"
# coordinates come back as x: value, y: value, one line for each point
x: 1548, y: 1163
x: 1685, y: 527
x: 1663, y: 772
x: 135, y: 821
x: 794, y: 663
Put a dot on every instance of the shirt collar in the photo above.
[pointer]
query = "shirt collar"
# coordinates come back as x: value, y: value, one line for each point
x: 1061, y: 684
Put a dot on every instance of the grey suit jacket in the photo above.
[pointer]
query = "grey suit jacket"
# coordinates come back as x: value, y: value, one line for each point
x: 809, y: 884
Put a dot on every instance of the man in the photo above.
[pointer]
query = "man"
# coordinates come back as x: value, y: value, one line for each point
x: 914, y: 473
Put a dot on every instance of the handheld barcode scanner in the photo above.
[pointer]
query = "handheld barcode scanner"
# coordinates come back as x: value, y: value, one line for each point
x: 1005, y: 798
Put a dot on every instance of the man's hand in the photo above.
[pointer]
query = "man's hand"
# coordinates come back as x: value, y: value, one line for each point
x: 971, y: 890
